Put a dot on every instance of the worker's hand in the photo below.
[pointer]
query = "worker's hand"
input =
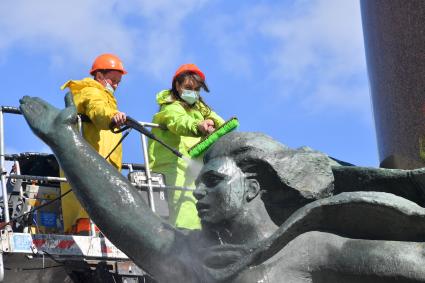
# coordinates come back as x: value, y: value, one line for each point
x: 206, y: 127
x: 119, y: 119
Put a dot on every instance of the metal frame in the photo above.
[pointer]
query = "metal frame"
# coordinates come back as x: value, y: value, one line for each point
x: 3, y: 172
x: 92, y: 248
x: 147, y: 166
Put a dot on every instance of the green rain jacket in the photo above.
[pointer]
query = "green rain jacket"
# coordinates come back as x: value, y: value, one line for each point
x: 179, y: 129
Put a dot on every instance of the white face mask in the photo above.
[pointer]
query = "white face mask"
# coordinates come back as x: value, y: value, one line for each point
x: 190, y: 96
x: 109, y: 88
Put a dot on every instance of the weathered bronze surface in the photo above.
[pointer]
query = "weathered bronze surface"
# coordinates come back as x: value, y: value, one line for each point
x: 269, y: 213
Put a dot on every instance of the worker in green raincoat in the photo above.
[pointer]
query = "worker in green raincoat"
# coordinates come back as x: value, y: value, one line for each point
x: 184, y: 119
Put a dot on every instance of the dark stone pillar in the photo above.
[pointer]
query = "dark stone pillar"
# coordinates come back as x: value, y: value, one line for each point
x: 394, y: 33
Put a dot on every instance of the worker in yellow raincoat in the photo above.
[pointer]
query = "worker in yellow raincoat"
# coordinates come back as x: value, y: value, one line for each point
x: 184, y: 119
x: 94, y: 99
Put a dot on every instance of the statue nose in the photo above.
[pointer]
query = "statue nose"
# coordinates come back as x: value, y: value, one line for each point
x: 199, y: 192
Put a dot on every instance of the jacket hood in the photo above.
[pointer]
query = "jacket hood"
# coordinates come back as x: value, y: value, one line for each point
x: 76, y: 86
x: 165, y: 97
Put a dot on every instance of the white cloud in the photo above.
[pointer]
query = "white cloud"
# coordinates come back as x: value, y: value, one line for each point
x: 327, y: 34
x: 161, y: 40
x: 313, y: 49
x: 162, y: 13
x: 231, y: 35
x: 320, y: 40
x: 76, y: 31
x: 79, y: 28
x: 334, y: 95
x: 325, y: 43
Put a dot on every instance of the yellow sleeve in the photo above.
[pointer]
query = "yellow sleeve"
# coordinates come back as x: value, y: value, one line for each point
x: 97, y: 108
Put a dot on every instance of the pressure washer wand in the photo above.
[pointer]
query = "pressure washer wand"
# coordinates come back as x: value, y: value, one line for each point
x: 132, y: 123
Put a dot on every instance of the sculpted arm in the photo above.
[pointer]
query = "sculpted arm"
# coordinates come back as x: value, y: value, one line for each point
x: 111, y: 201
x: 409, y: 184
x: 326, y: 257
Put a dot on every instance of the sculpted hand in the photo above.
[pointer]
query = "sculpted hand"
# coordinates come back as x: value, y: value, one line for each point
x: 206, y: 127
x: 119, y: 119
x: 45, y: 120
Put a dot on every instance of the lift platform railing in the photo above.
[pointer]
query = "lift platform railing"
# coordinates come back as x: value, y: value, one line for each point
x: 149, y: 186
x: 3, y: 172
x: 94, y: 248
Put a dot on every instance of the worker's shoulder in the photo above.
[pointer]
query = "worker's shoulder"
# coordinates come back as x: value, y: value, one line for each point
x: 84, y: 85
x: 165, y: 97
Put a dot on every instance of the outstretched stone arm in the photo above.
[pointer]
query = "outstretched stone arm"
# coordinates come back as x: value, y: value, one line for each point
x: 409, y: 184
x: 111, y: 201
x: 356, y: 215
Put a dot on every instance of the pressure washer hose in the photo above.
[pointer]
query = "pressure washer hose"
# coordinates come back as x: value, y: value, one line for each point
x: 134, y: 124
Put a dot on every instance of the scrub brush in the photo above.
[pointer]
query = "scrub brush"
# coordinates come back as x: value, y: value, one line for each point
x: 209, y: 140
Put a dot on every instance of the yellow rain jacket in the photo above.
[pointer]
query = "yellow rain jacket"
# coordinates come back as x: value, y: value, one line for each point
x: 179, y: 129
x: 92, y: 100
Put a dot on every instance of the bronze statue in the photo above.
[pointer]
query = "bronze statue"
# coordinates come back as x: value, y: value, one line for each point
x: 269, y: 213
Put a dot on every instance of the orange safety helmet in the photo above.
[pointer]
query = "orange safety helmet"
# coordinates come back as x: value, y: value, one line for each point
x: 107, y: 62
x: 189, y: 68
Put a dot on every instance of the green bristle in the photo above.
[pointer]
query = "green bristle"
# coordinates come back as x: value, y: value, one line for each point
x: 203, y: 145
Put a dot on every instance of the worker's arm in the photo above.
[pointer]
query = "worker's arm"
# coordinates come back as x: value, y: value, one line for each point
x: 175, y: 118
x: 111, y: 201
x: 97, y: 108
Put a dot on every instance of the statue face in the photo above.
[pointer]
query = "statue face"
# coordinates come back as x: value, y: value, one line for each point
x: 220, y: 191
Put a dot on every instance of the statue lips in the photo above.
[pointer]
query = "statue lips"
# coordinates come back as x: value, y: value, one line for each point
x: 202, y: 208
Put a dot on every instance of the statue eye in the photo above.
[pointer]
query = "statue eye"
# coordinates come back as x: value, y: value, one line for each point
x: 211, y: 180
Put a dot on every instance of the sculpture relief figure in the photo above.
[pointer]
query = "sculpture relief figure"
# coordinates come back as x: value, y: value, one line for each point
x: 269, y: 213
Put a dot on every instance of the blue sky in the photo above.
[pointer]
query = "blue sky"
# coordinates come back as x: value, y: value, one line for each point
x: 293, y: 69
